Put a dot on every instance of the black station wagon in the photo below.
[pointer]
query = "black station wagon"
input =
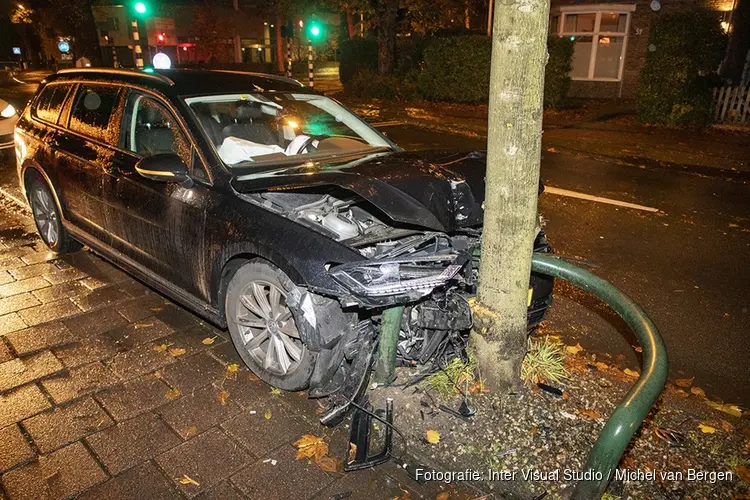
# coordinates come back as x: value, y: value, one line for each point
x: 265, y: 207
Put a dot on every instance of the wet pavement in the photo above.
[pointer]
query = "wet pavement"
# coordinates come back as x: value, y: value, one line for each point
x: 108, y: 390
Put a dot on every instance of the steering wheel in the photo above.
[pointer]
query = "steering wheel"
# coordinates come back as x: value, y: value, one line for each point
x: 309, y: 142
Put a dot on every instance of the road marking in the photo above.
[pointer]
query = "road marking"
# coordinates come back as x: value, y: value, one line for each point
x: 19, y: 81
x: 387, y: 124
x: 598, y: 199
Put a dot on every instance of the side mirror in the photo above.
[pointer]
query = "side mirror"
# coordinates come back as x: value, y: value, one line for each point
x: 166, y: 167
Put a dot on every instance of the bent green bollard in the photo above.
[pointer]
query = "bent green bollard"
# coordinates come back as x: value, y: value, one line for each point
x: 385, y: 366
x: 631, y: 411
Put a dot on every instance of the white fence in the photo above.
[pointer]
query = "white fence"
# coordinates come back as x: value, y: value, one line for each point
x: 731, y: 105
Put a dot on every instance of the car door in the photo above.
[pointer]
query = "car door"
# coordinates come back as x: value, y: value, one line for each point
x: 83, y: 154
x: 158, y: 225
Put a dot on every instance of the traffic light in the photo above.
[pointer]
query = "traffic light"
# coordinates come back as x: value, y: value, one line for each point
x: 140, y: 8
x: 161, y: 38
x: 315, y: 30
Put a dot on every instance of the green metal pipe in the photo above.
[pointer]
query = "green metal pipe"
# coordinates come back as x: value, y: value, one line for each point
x: 390, y: 325
x: 631, y: 411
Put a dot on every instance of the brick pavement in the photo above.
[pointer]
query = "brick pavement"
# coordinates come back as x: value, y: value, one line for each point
x: 108, y: 391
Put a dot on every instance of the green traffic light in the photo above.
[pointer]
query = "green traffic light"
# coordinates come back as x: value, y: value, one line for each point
x: 140, y: 8
x: 315, y: 31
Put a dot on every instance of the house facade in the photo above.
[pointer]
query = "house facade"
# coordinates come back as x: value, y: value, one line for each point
x: 612, y: 40
x: 188, y: 33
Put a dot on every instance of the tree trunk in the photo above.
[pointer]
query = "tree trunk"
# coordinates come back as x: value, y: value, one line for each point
x: 350, y: 23
x: 386, y: 12
x: 279, y: 47
x: 519, y: 54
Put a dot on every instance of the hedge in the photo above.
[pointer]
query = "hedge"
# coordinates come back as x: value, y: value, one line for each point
x: 685, y: 50
x: 455, y: 69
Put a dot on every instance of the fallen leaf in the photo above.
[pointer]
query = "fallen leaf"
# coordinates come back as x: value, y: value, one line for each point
x: 573, y: 349
x: 173, y: 394
x: 478, y: 386
x: 730, y: 409
x: 443, y: 495
x: 268, y: 414
x: 743, y: 472
x: 191, y: 431
x: 684, y: 382
x: 726, y: 425
x: 157, y: 309
x: 329, y: 464
x: 188, y: 480
x: 142, y: 325
x: 160, y: 347
x: 232, y: 369
x: 638, y: 348
x: 208, y: 341
x: 222, y: 397
x: 698, y: 391
x: 313, y: 447
x: 631, y: 373
x: 275, y: 390
x: 706, y: 429
x: 177, y: 351
x: 591, y: 414
x: 432, y: 437
x: 352, y: 452
x: 565, y: 395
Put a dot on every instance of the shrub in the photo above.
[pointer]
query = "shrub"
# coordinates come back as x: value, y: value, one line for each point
x: 371, y: 84
x: 357, y: 54
x: 685, y: 50
x: 556, y: 73
x: 456, y: 69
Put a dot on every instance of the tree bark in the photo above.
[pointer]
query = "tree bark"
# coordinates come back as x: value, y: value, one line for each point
x: 386, y: 13
x: 279, y: 47
x: 519, y: 55
x: 350, y: 23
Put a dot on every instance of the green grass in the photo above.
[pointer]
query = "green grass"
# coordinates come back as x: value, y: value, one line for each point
x: 456, y: 372
x: 544, y: 361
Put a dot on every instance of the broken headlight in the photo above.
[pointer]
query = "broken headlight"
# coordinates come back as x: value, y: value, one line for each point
x: 415, y: 277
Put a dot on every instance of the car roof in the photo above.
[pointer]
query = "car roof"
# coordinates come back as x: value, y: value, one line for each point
x: 185, y: 82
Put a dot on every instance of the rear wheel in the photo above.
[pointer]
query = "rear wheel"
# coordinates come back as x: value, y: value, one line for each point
x: 47, y: 219
x: 263, y: 327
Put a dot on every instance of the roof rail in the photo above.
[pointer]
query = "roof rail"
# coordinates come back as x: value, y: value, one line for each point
x: 121, y: 72
x: 264, y: 75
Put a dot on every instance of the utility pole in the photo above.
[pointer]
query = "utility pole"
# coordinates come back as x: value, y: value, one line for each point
x: 519, y: 55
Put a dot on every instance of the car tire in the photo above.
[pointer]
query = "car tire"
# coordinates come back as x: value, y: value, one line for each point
x: 48, y: 220
x: 259, y: 320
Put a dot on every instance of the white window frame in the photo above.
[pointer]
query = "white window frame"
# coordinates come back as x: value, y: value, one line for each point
x: 597, y: 9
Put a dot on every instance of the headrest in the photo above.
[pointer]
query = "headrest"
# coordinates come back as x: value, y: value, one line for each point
x: 248, y: 112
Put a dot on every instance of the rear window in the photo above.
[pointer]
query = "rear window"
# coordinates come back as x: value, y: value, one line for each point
x: 50, y: 102
x: 92, y: 111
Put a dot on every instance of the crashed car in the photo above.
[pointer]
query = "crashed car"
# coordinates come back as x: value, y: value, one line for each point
x: 266, y: 208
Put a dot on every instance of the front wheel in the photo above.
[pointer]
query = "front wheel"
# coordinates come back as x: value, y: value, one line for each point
x: 263, y: 327
x: 48, y: 221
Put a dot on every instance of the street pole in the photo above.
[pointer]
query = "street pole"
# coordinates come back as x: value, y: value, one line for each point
x: 137, y: 43
x: 489, y: 17
x: 289, y: 56
x: 310, y: 78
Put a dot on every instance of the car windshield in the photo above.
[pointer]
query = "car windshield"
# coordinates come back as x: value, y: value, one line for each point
x: 273, y: 127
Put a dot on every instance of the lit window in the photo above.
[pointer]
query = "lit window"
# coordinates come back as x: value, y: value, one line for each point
x: 600, y: 33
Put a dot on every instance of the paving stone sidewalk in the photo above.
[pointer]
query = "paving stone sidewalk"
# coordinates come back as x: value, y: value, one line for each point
x: 108, y: 391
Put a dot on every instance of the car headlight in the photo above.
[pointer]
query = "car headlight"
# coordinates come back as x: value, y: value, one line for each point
x: 393, y: 277
x: 8, y: 111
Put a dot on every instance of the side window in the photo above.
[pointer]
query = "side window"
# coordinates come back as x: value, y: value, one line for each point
x: 149, y: 129
x: 92, y: 110
x: 50, y: 102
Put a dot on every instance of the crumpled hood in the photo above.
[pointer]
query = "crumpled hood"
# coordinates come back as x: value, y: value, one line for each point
x: 434, y: 190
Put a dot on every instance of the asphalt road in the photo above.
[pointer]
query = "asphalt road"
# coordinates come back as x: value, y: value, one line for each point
x: 685, y: 265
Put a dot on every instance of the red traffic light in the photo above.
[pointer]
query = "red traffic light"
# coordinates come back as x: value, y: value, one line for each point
x: 161, y: 37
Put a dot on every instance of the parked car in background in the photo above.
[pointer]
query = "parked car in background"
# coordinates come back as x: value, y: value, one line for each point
x: 8, y: 119
x: 266, y: 208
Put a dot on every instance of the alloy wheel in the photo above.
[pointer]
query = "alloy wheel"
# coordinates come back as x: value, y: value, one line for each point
x: 266, y: 325
x: 45, y: 215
